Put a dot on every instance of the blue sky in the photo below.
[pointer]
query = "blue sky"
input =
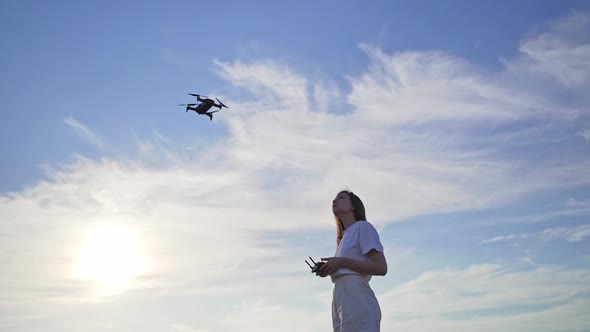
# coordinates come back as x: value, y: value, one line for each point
x: 464, y: 126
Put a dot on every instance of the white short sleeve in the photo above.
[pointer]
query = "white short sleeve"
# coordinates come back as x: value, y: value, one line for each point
x: 369, y: 238
x: 356, y: 243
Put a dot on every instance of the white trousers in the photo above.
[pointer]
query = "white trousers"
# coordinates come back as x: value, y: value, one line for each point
x: 354, y: 305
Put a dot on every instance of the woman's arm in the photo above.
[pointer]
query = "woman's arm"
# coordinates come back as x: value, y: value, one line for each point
x: 377, y: 265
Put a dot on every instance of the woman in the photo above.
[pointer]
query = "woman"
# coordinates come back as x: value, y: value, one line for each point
x: 359, y: 255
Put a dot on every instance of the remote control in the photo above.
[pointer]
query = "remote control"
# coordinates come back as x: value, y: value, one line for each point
x: 316, y: 266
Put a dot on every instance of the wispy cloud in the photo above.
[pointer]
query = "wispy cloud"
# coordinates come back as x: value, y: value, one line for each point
x: 476, y: 298
x: 269, y: 81
x: 571, y: 234
x: 561, y: 52
x: 84, y: 132
x: 448, y: 134
x: 506, y: 238
x: 571, y: 208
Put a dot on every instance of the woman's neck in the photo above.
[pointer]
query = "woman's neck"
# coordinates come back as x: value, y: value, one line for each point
x: 347, y: 220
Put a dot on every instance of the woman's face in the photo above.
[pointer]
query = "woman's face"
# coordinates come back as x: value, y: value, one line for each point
x: 342, y: 204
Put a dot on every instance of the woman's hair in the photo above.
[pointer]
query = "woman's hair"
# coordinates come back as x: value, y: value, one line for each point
x: 359, y: 213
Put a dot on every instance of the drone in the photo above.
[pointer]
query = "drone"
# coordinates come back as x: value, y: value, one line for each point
x: 204, y: 106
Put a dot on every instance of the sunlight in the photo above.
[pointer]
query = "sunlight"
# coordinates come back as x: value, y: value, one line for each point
x: 111, y: 257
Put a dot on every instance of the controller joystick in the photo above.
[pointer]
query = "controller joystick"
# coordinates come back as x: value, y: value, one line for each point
x: 316, y: 266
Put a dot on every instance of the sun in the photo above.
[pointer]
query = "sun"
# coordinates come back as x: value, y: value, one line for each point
x: 111, y: 257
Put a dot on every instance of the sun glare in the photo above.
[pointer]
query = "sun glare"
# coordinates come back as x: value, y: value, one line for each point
x: 111, y: 257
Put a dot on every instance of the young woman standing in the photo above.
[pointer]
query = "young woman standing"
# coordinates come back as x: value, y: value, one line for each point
x: 359, y: 255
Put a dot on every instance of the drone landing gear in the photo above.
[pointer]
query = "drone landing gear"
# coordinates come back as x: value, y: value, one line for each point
x: 210, y: 116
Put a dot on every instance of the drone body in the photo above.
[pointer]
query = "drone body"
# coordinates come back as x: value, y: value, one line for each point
x: 204, y: 106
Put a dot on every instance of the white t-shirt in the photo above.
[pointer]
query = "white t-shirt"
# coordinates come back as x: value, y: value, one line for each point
x: 358, y: 239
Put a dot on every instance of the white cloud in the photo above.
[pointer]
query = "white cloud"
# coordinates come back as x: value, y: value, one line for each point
x: 571, y: 234
x: 268, y: 80
x: 326, y: 94
x: 577, y: 203
x: 417, y: 87
x: 506, y: 238
x: 435, y: 132
x: 187, y: 328
x: 478, y: 298
x: 571, y: 208
x: 562, y: 52
x: 263, y: 315
x: 84, y: 132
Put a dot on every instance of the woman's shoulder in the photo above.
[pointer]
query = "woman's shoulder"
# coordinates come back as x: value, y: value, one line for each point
x: 363, y: 224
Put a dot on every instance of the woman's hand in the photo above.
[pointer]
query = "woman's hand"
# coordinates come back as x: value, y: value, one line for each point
x: 332, y: 265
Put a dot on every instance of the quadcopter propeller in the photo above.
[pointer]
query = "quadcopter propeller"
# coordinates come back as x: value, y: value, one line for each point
x: 187, y: 104
x: 220, y: 103
x: 197, y: 95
